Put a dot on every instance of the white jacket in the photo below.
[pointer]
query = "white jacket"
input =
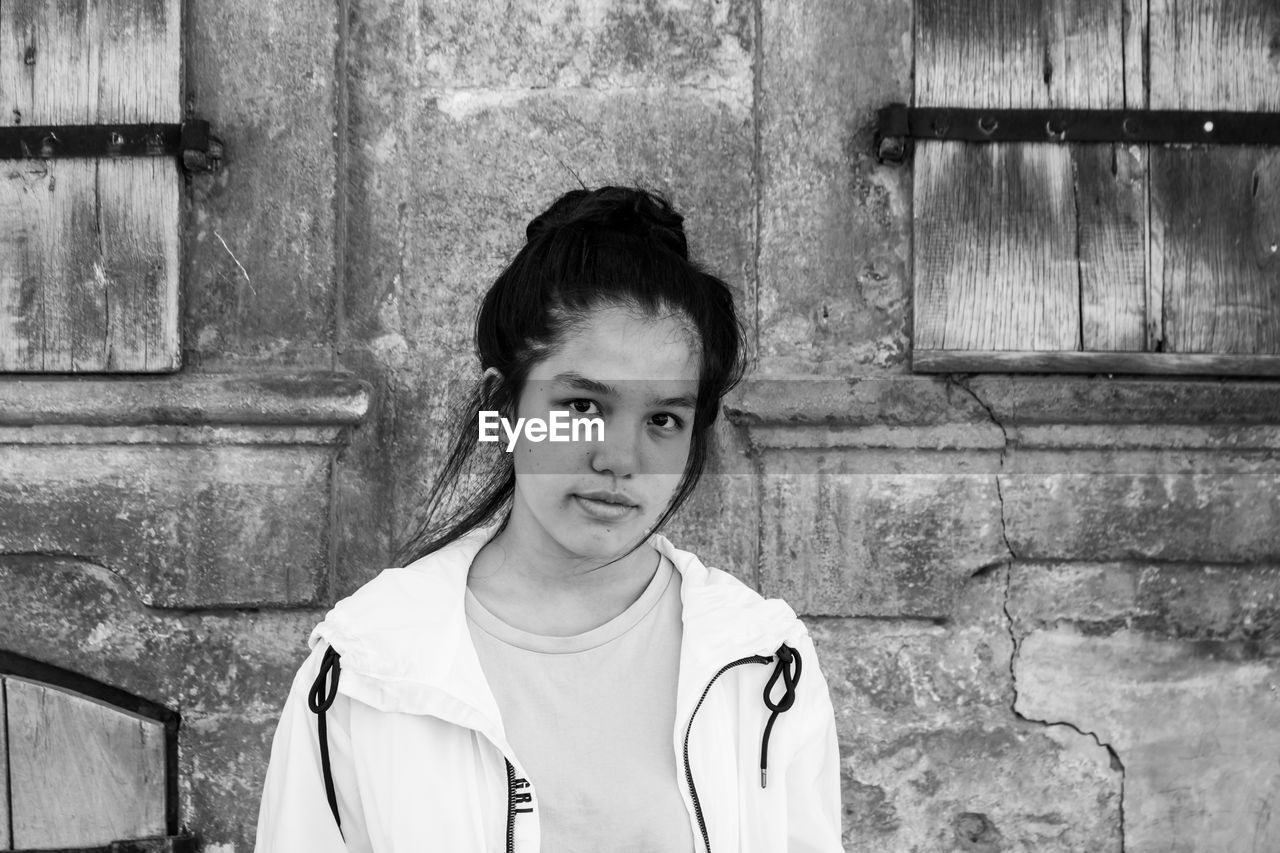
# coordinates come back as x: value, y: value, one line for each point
x: 420, y: 760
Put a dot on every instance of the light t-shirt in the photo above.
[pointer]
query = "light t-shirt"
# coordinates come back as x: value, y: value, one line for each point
x: 591, y: 718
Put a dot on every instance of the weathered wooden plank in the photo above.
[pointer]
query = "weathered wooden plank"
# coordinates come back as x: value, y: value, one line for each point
x: 1155, y: 262
x: 1214, y: 54
x: 970, y: 361
x: 81, y: 773
x: 995, y: 246
x: 1216, y: 234
x: 1137, y: 97
x: 1220, y: 271
x: 139, y: 242
x: 140, y: 76
x: 1022, y: 247
x: 21, y: 294
x: 48, y: 290
x: 1134, y: 24
x: 90, y: 61
x: 88, y: 269
x: 4, y: 770
x: 1111, y: 206
x: 46, y: 65
x: 1019, y: 53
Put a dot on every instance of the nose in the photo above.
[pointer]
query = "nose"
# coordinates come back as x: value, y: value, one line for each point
x: 617, y: 453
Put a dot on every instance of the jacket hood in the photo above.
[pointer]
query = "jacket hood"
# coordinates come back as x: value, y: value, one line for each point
x: 405, y: 644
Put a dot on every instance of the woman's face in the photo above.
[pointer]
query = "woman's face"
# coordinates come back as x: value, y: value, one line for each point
x: 596, y: 498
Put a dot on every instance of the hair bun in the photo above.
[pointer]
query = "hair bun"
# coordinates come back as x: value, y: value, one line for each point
x: 629, y: 211
x: 554, y: 216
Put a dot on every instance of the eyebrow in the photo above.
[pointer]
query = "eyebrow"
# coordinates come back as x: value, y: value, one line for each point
x: 582, y: 383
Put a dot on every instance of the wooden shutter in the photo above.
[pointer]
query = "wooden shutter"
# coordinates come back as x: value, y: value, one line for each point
x: 82, y: 764
x: 89, y: 248
x: 80, y: 773
x: 1097, y: 257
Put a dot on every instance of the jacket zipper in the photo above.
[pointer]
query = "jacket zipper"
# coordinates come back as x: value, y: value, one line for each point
x: 688, y: 771
x: 511, y: 808
x: 512, y: 799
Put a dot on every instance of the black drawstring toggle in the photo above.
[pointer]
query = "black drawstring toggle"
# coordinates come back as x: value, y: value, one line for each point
x: 319, y: 700
x: 788, y: 669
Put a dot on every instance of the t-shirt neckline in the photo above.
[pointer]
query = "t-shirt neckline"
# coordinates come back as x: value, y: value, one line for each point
x: 486, y: 621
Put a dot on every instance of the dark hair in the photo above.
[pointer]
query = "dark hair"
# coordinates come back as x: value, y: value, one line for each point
x: 589, y: 249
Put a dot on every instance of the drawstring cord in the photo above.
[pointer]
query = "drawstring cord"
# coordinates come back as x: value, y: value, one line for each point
x: 790, y: 678
x: 319, y: 700
x: 325, y: 689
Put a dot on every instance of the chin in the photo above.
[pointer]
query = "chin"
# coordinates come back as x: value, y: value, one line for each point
x: 604, y: 542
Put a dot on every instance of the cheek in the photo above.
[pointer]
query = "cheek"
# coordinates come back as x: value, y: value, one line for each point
x: 666, y: 467
x: 548, y: 458
x: 671, y: 457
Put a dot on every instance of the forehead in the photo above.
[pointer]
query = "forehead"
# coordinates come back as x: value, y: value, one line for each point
x: 617, y: 343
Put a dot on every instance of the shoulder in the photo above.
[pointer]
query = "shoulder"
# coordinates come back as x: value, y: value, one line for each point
x: 696, y: 574
x: 724, y: 611
x: 386, y: 622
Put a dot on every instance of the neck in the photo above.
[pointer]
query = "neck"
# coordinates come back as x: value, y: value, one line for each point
x: 538, y: 588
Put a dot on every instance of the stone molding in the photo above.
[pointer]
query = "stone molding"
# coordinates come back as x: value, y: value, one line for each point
x: 312, y: 399
x: 1003, y: 412
x: 199, y: 491
x: 883, y: 497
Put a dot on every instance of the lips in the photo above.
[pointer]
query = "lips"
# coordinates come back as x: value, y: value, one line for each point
x: 605, y: 506
x: 603, y: 496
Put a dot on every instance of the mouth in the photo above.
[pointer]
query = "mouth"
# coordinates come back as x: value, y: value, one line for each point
x: 606, y: 506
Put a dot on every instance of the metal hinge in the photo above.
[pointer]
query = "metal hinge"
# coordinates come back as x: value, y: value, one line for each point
x: 197, y: 149
x: 897, y: 125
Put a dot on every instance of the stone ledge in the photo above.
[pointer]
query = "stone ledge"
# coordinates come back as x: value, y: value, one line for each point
x: 986, y: 412
x: 288, y: 399
x: 914, y: 400
x: 898, y: 401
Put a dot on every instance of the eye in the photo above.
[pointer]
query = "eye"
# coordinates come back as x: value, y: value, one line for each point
x: 582, y: 407
x: 667, y: 422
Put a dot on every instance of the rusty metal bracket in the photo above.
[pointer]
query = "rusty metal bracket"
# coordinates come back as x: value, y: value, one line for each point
x: 197, y: 149
x: 898, y: 124
x: 201, y: 150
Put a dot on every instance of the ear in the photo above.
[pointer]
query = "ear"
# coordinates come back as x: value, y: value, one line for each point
x: 491, y: 380
x: 496, y: 395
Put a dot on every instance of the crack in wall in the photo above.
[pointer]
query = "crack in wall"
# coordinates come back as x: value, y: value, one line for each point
x: 1016, y: 645
x: 963, y: 385
x: 1114, y: 757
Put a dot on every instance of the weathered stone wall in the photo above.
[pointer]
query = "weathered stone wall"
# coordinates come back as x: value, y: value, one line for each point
x: 1047, y: 606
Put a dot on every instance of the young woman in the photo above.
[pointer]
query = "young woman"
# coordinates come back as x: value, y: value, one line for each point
x: 547, y: 672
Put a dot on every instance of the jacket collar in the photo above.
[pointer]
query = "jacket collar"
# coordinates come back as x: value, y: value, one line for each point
x: 405, y: 644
